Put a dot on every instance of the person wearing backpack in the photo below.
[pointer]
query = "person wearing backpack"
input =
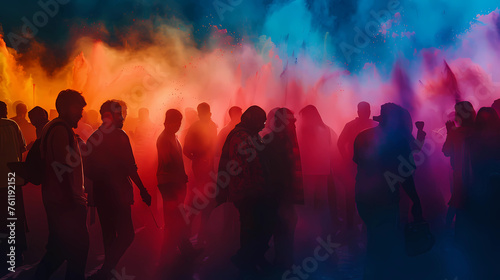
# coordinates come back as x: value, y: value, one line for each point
x: 63, y: 192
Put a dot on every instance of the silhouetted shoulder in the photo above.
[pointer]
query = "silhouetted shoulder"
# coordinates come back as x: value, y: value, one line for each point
x: 365, y: 135
x: 9, y: 122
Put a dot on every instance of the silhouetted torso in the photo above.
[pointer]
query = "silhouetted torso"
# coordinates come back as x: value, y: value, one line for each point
x: 376, y: 153
x: 170, y: 161
x: 349, y: 133
x: 199, y: 146
x: 109, y: 165
x: 29, y: 132
x: 57, y: 148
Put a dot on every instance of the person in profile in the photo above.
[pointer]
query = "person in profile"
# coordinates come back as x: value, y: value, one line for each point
x: 454, y: 147
x: 12, y: 146
x: 376, y: 152
x: 285, y: 177
x: 172, y: 181
x: 63, y: 192
x: 111, y: 167
x: 199, y: 147
x: 481, y: 192
x: 38, y: 118
x: 346, y: 146
x: 25, y: 126
x: 247, y: 189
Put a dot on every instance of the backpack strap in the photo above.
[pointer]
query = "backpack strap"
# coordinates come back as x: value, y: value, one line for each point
x: 68, y: 130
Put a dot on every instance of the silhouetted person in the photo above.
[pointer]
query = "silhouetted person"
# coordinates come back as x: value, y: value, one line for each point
x: 12, y: 146
x: 376, y: 152
x: 172, y: 181
x: 235, y: 116
x: 38, y: 118
x: 111, y: 167
x: 144, y: 133
x: 199, y: 147
x: 28, y: 130
x: 455, y: 148
x: 496, y: 106
x: 230, y: 218
x: 346, y: 146
x: 243, y: 161
x: 285, y: 177
x: 63, y: 192
x: 318, y: 144
x: 481, y: 193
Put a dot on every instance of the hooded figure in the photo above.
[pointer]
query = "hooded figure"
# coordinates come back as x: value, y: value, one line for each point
x: 242, y: 177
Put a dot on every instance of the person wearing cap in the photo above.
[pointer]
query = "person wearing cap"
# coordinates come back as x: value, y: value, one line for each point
x: 377, y: 153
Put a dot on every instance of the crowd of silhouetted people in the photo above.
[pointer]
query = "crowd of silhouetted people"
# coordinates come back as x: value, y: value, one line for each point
x: 286, y: 178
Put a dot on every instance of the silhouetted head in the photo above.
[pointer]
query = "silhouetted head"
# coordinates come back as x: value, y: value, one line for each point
x: 364, y: 110
x: 3, y: 110
x: 284, y: 120
x: 487, y: 119
x: 21, y: 110
x: 204, y: 111
x: 464, y: 113
x: 69, y: 105
x: 38, y: 116
x: 253, y: 119
x: 143, y: 114
x: 311, y: 116
x: 496, y: 106
x: 124, y: 107
x: 111, y: 114
x: 270, y: 123
x: 394, y: 118
x: 235, y: 113
x: 173, y: 120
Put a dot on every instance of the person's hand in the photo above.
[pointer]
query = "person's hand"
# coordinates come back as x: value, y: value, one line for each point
x: 146, y: 197
x: 416, y: 212
x: 450, y: 125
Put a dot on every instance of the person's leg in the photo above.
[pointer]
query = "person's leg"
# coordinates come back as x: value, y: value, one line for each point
x: 54, y: 255
x: 183, y: 229
x: 284, y: 235
x: 244, y: 256
x: 108, y: 230
x: 169, y: 206
x: 350, y: 207
x: 124, y: 236
x: 382, y: 240
x: 203, y: 180
x: 77, y: 243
